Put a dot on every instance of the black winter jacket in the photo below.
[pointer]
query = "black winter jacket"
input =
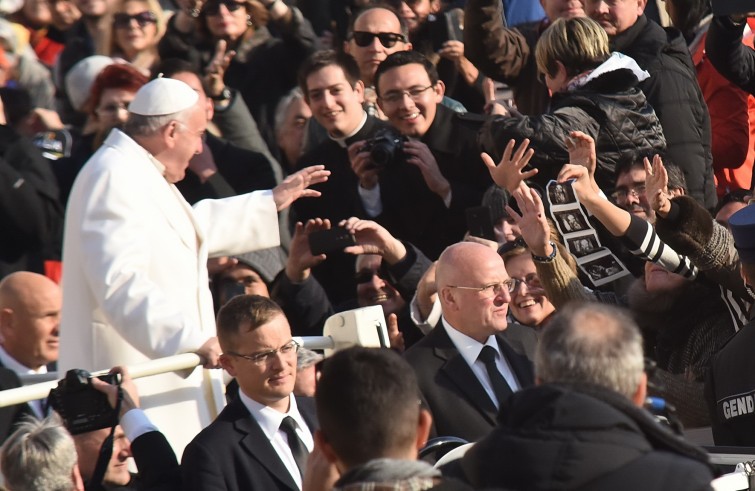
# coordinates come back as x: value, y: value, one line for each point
x: 674, y: 93
x: 559, y: 437
x: 609, y: 108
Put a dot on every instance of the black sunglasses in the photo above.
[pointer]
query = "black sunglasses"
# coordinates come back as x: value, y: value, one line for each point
x: 212, y: 8
x: 142, y: 18
x: 387, y: 39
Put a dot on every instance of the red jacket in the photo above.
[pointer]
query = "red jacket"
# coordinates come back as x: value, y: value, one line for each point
x: 732, y: 116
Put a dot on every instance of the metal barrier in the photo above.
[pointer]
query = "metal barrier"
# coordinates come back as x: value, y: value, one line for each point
x: 41, y: 384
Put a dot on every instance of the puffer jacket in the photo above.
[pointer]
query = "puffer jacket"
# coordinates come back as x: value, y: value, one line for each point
x: 674, y: 93
x: 560, y: 437
x: 610, y: 108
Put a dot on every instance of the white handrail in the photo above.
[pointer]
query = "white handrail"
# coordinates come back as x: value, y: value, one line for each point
x: 184, y: 361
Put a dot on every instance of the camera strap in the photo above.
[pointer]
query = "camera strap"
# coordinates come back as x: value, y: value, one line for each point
x: 106, y: 450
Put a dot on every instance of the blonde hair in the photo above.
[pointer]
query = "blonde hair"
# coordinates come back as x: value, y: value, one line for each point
x: 162, y: 22
x: 580, y: 44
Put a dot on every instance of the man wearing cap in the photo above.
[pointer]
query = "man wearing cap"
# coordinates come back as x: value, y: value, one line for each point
x: 136, y: 254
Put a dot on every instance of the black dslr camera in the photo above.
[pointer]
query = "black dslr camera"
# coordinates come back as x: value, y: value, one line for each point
x: 386, y: 147
x: 82, y: 407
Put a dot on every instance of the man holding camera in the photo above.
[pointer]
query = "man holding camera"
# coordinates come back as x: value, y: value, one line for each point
x: 441, y: 150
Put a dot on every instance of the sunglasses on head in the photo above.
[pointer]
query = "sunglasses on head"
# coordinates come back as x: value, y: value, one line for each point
x: 212, y: 8
x: 387, y: 39
x: 142, y: 18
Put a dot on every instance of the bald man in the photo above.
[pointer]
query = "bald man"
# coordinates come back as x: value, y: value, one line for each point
x: 466, y: 367
x: 29, y: 324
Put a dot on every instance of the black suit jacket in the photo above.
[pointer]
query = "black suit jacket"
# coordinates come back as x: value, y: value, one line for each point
x: 458, y: 402
x: 234, y: 454
x: 12, y: 415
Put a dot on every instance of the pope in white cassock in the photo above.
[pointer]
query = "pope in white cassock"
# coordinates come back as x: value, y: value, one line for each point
x: 135, y: 281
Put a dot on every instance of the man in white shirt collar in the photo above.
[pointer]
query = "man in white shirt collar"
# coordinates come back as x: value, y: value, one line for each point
x: 259, y: 351
x: 30, y: 306
x: 474, y: 291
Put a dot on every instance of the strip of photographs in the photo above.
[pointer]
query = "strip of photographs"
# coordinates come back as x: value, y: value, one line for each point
x: 596, y: 261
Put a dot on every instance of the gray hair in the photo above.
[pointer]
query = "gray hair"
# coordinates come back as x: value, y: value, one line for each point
x: 280, y: 110
x: 593, y: 344
x: 140, y: 125
x: 39, y: 455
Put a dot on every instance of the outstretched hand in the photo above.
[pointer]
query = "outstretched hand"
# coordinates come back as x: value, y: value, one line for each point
x: 297, y: 185
x: 532, y: 222
x: 508, y: 173
x: 656, y: 186
x: 581, y: 148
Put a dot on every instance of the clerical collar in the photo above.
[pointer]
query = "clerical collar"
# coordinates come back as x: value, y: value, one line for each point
x: 342, y: 141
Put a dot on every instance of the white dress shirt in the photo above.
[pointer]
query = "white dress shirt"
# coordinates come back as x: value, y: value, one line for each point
x: 470, y: 349
x: 270, y: 420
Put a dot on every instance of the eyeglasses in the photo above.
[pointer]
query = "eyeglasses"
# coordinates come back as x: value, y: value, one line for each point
x: 265, y: 357
x: 113, y: 108
x: 396, y: 96
x: 531, y: 280
x: 387, y: 39
x: 494, y: 288
x: 123, y: 21
x: 624, y: 193
x: 213, y: 8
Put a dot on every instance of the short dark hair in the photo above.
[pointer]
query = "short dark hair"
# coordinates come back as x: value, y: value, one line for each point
x: 627, y: 162
x: 385, y: 6
x: 244, y: 311
x: 735, y: 196
x: 676, y: 178
x: 321, y: 59
x: 367, y: 403
x: 401, y: 58
x: 169, y: 67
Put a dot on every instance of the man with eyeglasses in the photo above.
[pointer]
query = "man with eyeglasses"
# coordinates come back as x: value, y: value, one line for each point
x: 262, y: 438
x: 467, y: 366
x: 441, y: 149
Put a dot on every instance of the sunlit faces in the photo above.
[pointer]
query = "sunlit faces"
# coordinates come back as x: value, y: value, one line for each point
x: 187, y: 140
x: 615, y: 16
x: 555, y: 9
x: 408, y: 98
x: 112, y: 111
x: 135, y: 28
x: 226, y: 19
x: 240, y: 280
x: 335, y: 104
x: 478, y: 314
x: 630, y: 193
x: 506, y: 230
x: 31, y: 331
x: 368, y: 57
x: 529, y: 304
x: 269, y: 383
x: 374, y: 290
x: 88, y: 448
x: 658, y: 279
x: 64, y: 14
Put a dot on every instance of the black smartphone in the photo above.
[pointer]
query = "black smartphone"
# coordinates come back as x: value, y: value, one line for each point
x: 447, y: 26
x: 331, y: 240
x: 480, y: 222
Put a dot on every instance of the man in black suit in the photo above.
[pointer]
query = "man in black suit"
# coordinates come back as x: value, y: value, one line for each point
x: 29, y: 324
x: 465, y: 367
x: 261, y: 440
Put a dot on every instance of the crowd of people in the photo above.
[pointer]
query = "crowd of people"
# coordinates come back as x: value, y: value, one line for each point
x: 549, y: 201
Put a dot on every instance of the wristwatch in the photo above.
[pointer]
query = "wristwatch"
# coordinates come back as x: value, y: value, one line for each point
x: 224, y: 96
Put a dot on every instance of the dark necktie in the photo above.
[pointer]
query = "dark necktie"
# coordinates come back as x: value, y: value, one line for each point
x: 298, y: 449
x: 500, y: 388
